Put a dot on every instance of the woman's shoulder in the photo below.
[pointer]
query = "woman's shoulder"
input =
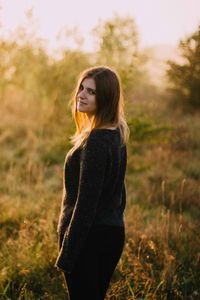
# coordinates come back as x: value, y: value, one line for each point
x: 104, y: 137
x: 102, y: 140
x: 102, y: 134
x: 104, y: 130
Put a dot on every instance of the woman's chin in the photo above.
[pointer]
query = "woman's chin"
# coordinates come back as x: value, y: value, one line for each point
x: 81, y: 110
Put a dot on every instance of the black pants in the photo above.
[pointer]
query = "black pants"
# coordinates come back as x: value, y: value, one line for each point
x: 94, y: 268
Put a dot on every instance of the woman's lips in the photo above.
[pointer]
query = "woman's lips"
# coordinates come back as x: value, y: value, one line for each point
x: 81, y: 102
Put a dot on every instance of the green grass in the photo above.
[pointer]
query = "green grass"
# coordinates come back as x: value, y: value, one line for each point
x: 161, y: 256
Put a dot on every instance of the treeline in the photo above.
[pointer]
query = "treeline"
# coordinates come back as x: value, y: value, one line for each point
x: 29, y: 70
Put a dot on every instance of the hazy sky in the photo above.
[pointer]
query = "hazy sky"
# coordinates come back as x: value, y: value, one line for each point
x: 158, y: 21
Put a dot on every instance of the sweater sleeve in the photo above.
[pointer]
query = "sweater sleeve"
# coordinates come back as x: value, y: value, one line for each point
x: 92, y: 173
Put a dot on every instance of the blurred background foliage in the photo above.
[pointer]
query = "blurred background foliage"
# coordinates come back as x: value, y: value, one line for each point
x: 161, y: 258
x: 185, y: 76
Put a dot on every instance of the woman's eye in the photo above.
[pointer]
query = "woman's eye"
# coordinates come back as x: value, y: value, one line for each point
x: 81, y: 88
x: 91, y: 91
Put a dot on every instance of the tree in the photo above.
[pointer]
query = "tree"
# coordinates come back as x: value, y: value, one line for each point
x: 7, y: 52
x: 185, y: 77
x: 118, y: 47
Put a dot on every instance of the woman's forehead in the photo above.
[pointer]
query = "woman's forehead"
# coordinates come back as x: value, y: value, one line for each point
x: 89, y: 82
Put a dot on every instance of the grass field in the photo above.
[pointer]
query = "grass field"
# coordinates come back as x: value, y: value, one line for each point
x: 161, y: 258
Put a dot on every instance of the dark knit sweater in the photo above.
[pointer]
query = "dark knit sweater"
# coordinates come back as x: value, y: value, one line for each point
x: 94, y: 192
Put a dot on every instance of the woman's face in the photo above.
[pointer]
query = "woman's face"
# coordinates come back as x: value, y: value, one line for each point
x: 86, y: 97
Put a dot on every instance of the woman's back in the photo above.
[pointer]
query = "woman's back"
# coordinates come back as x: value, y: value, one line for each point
x: 113, y: 197
x: 96, y: 172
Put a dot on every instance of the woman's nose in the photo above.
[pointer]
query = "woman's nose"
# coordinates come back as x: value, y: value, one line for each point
x: 81, y: 94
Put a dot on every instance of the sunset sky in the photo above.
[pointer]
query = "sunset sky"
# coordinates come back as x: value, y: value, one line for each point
x: 158, y: 21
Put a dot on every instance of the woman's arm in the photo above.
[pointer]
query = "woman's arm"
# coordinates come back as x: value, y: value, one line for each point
x: 92, y: 175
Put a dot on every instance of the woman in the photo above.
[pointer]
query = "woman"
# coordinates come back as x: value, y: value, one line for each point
x: 91, y: 226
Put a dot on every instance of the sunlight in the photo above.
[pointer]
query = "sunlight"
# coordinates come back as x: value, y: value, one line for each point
x: 44, y: 46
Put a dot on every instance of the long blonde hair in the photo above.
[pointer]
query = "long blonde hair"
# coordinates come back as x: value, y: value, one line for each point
x: 109, y: 106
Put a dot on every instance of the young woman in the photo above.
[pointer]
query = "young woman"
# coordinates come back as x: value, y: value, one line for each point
x: 91, y: 224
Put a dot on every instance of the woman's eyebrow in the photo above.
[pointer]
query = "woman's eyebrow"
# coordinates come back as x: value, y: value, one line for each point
x: 87, y: 87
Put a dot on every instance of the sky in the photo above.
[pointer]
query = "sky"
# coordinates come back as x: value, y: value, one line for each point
x: 157, y: 21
